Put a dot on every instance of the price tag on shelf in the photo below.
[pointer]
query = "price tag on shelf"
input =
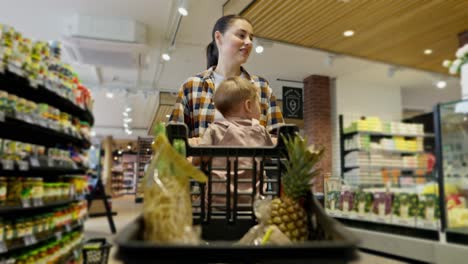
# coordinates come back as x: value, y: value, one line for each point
x: 37, y: 202
x: 34, y: 161
x: 50, y: 162
x: 26, y: 203
x: 8, y: 164
x: 3, y: 247
x: 2, y: 116
x: 29, y: 240
x: 58, y: 235
x: 23, y: 165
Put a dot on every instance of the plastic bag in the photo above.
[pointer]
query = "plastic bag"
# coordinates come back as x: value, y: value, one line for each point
x: 264, y: 234
x: 167, y: 209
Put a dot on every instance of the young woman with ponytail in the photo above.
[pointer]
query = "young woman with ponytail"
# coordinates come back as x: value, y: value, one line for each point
x: 228, y: 51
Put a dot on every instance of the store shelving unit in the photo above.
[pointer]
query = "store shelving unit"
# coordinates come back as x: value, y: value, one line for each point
x: 117, y: 183
x: 129, y: 176
x: 411, y: 238
x: 27, y: 130
x: 144, y: 152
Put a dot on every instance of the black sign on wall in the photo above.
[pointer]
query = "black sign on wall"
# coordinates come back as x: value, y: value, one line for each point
x: 292, y: 102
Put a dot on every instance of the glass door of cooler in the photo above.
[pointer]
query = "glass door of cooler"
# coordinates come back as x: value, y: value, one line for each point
x: 451, y: 128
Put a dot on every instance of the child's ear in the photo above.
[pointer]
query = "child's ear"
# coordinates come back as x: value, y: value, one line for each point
x: 248, y: 105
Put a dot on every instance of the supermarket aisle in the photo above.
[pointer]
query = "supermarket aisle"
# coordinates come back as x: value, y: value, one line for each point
x: 127, y: 211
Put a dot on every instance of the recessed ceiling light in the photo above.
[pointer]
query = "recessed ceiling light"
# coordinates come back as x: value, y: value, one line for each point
x: 128, y: 109
x: 166, y: 57
x: 348, y: 33
x: 127, y: 120
x: 441, y: 84
x: 109, y: 95
x: 259, y: 49
x: 182, y: 11
x: 167, y: 116
x: 427, y: 51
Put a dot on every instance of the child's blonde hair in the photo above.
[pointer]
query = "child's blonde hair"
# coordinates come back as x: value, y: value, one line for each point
x: 233, y: 91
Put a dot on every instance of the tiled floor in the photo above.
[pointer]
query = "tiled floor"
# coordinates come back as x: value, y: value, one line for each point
x: 127, y: 210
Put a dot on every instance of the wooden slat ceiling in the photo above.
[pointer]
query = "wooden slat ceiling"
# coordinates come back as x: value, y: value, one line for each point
x: 391, y: 31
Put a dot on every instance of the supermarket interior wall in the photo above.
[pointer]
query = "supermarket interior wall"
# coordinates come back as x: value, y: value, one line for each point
x: 418, y: 99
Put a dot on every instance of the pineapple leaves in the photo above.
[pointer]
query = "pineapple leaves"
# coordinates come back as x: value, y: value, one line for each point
x: 299, y: 166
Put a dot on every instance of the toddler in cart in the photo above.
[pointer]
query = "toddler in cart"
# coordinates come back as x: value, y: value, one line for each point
x: 237, y: 100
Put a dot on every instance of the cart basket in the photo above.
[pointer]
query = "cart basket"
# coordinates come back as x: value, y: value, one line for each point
x: 96, y: 251
x: 329, y: 241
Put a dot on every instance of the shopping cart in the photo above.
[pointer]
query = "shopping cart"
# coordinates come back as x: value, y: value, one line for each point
x: 96, y: 251
x: 223, y: 224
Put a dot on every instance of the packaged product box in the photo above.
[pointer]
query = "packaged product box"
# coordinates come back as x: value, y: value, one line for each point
x: 362, y: 204
x: 382, y: 207
x: 405, y: 209
x: 346, y: 202
x: 428, y: 211
x: 332, y: 203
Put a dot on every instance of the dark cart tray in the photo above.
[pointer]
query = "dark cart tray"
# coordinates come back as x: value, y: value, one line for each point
x: 331, y: 242
x: 340, y: 248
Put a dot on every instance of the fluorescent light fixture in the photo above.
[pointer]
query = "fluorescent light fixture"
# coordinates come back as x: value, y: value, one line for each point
x: 125, y: 125
x: 125, y: 113
x: 127, y: 120
x: 348, y: 33
x: 183, y: 7
x: 427, y: 51
x: 128, y: 109
x: 109, y: 95
x: 441, y: 84
x: 166, y: 56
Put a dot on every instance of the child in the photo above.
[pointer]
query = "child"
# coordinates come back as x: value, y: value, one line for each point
x: 238, y: 101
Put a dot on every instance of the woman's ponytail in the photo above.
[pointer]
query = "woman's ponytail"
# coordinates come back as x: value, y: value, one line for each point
x: 211, y: 55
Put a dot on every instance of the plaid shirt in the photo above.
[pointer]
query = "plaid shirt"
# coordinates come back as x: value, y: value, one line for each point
x: 195, y: 108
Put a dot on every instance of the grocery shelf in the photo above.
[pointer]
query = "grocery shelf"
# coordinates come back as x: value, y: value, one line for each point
x: 382, y: 134
x: 348, y: 168
x: 4, y: 210
x: 40, y: 171
x: 346, y: 151
x: 32, y: 240
x: 414, y: 249
x: 15, y: 129
x: 390, y: 228
x: 19, y: 86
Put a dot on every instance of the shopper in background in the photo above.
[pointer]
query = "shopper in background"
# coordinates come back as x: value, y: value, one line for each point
x: 230, y: 48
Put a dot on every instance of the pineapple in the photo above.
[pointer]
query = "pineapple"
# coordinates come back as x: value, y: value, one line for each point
x: 286, y: 211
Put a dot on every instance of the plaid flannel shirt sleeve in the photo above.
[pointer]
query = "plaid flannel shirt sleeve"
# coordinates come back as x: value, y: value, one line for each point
x: 180, y: 112
x: 274, y: 114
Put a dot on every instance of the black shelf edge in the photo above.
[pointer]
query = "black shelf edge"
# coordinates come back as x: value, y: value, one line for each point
x: 51, y: 235
x: 20, y: 209
x: 457, y: 235
x: 382, y: 134
x: 19, y: 86
x: 391, y: 229
x: 41, y: 172
x: 19, y: 130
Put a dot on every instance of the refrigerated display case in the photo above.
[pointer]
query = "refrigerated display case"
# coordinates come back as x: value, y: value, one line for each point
x: 452, y: 148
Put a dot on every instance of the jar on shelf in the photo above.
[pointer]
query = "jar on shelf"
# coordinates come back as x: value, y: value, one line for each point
x: 37, y: 225
x: 20, y: 227
x: 43, y: 110
x: 2, y: 230
x: 27, y: 193
x: 10, y: 231
x: 21, y: 105
x: 37, y: 189
x: 14, y: 189
x: 3, y: 190
x: 28, y: 226
x: 12, y: 100
x: 3, y: 101
x: 84, y: 128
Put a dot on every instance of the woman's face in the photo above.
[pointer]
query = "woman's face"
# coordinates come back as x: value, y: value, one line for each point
x: 236, y: 43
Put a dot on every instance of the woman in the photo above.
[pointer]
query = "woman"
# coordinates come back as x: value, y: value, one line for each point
x: 230, y: 48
